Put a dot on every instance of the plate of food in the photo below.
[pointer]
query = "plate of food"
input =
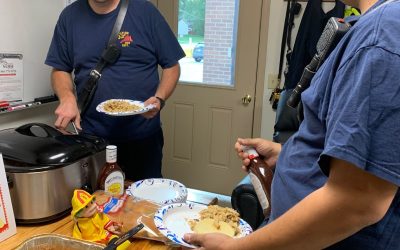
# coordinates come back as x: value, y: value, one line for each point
x: 123, y: 107
x: 175, y: 220
x: 158, y: 190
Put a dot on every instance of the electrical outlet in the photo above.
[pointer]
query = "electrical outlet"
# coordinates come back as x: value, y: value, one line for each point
x: 272, y: 81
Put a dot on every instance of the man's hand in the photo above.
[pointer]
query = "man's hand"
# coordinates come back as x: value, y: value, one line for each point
x: 66, y: 112
x: 351, y: 200
x: 169, y: 79
x: 267, y: 149
x: 152, y: 112
x: 212, y: 241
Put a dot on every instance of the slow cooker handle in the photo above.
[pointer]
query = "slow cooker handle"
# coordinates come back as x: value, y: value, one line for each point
x: 26, y: 129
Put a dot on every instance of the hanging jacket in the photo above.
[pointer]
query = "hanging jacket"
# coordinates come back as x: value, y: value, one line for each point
x: 312, y: 24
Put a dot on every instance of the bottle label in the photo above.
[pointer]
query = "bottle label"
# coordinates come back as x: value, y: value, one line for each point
x: 262, y: 196
x: 114, y: 183
x: 111, y: 153
x: 113, y: 204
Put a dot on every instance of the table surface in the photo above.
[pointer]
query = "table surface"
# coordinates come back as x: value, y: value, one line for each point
x: 64, y: 227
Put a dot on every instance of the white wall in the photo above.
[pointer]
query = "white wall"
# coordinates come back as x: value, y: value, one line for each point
x: 26, y: 28
x: 277, y: 18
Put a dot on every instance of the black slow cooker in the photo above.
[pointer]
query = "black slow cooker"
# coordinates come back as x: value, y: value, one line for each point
x: 44, y: 166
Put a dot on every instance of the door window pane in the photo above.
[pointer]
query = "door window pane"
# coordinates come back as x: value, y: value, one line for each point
x: 207, y: 33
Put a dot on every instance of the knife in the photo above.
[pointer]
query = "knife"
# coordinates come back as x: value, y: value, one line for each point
x: 114, y: 243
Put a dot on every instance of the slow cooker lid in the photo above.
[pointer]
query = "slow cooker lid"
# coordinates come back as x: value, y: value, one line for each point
x: 37, y: 144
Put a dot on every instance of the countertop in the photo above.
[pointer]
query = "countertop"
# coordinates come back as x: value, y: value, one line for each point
x: 64, y: 227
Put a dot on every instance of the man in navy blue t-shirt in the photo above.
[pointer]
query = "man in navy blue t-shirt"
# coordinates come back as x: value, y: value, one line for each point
x: 146, y: 42
x: 336, y: 180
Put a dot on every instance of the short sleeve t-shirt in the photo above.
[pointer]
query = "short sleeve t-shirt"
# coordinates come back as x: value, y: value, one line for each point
x: 146, y: 41
x: 352, y: 113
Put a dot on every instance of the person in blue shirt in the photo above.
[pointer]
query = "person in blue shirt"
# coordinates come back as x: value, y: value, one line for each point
x: 336, y: 181
x: 146, y: 42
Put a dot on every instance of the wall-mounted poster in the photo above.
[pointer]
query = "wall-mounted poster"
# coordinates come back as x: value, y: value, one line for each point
x: 7, y: 219
x: 11, y: 77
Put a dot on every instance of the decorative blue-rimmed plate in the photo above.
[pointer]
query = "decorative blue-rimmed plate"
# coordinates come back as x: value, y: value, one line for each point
x: 158, y: 190
x: 140, y: 107
x: 172, y: 221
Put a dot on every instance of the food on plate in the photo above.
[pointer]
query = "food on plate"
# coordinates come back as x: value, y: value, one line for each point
x: 115, y: 106
x: 209, y: 226
x: 216, y: 219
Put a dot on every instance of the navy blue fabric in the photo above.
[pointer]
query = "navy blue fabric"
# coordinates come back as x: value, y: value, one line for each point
x: 146, y: 41
x: 142, y: 158
x: 352, y: 112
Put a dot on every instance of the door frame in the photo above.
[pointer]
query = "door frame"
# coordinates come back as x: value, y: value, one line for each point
x: 261, y: 68
x: 171, y: 7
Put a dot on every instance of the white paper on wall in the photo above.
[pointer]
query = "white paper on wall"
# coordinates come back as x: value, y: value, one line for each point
x: 7, y: 219
x: 11, y: 77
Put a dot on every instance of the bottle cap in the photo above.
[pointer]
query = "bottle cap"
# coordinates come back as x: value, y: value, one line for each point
x: 111, y: 153
x: 111, y: 147
x: 250, y: 151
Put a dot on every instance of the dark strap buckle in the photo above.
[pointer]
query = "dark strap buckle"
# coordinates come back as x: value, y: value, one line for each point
x: 95, y: 73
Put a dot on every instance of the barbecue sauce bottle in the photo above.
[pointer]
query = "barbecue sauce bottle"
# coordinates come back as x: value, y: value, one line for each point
x: 111, y: 176
x: 261, y: 177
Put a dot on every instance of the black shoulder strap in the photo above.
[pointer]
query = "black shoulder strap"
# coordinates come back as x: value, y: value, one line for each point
x: 275, y: 94
x: 118, y: 23
x: 109, y: 56
x: 283, y: 42
x: 292, y: 9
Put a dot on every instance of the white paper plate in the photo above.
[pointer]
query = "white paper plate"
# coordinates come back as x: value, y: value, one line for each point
x: 161, y: 191
x: 172, y: 221
x: 143, y: 109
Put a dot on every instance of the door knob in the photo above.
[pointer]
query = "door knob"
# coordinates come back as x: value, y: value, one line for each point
x: 246, y: 99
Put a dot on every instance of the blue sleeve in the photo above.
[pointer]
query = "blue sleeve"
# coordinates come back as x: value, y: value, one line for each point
x: 168, y: 49
x: 364, y: 114
x: 58, y: 55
